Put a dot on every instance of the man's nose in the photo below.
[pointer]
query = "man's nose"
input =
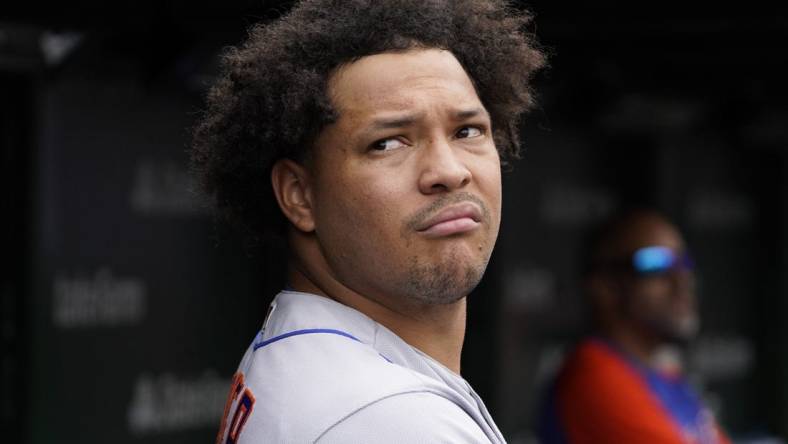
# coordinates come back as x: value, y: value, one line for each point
x: 441, y: 168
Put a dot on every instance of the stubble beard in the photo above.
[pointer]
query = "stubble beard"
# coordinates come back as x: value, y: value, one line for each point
x: 442, y: 283
x: 674, y: 330
x: 682, y: 331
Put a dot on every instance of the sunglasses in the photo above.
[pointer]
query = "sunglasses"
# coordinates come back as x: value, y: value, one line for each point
x: 654, y: 261
x: 658, y: 260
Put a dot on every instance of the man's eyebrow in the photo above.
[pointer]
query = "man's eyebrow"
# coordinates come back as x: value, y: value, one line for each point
x: 395, y: 122
x: 466, y: 114
x: 410, y: 119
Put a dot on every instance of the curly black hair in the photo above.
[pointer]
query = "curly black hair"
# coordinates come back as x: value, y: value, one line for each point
x: 270, y: 100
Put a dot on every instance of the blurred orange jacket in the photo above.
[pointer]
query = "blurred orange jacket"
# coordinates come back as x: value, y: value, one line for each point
x: 602, y: 396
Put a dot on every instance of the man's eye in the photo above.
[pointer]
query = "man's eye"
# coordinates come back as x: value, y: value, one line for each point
x: 468, y: 131
x: 387, y: 144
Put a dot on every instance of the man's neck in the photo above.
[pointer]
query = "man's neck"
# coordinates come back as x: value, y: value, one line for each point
x: 635, y: 345
x: 436, y: 330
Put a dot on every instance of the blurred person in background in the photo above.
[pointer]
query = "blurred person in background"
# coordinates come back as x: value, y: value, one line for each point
x: 615, y: 386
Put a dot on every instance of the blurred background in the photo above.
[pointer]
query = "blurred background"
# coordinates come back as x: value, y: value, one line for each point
x: 126, y: 307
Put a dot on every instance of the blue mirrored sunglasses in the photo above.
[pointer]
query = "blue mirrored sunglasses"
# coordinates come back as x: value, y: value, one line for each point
x: 655, y: 260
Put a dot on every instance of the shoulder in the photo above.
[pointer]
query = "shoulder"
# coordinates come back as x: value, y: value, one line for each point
x: 306, y: 383
x: 593, y: 365
x: 416, y: 416
x: 599, y: 393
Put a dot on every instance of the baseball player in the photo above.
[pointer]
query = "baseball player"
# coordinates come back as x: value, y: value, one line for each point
x: 369, y: 134
x: 613, y: 387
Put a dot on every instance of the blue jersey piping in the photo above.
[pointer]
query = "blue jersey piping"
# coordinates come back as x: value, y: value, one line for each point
x: 308, y: 331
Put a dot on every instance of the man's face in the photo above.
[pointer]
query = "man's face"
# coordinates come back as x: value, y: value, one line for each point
x: 663, y: 304
x: 406, y: 183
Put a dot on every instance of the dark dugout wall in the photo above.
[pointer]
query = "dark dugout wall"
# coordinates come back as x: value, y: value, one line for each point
x: 137, y: 316
x: 132, y: 306
x: 681, y: 111
x: 126, y: 308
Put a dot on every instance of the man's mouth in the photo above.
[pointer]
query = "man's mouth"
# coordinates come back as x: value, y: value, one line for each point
x: 456, y: 218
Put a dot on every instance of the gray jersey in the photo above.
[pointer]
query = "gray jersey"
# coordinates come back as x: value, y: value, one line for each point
x: 322, y: 372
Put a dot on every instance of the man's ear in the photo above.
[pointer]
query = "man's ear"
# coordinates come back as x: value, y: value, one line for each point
x: 292, y: 187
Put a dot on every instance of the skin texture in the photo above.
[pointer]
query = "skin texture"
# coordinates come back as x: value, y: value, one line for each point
x: 412, y: 143
x: 643, y: 313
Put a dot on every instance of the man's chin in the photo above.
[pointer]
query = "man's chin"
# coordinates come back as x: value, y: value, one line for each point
x: 444, y: 282
x: 684, y: 331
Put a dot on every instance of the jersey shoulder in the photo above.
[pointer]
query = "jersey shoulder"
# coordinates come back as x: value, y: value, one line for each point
x: 304, y: 384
